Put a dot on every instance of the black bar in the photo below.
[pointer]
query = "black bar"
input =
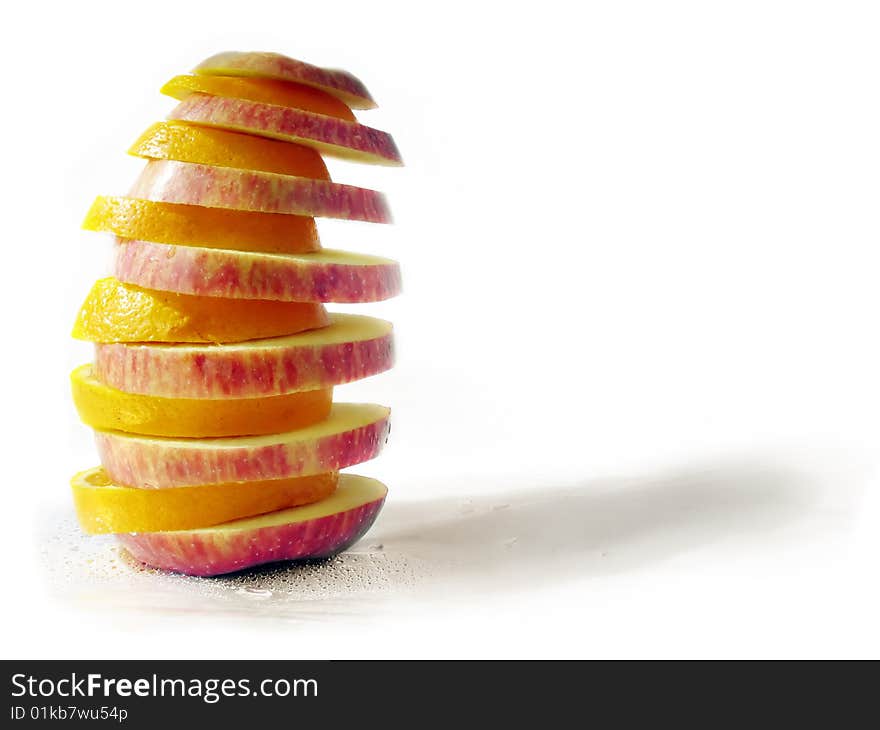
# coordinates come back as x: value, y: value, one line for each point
x: 134, y: 694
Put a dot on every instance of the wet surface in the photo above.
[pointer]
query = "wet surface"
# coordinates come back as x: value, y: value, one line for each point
x: 520, y: 539
x: 96, y: 573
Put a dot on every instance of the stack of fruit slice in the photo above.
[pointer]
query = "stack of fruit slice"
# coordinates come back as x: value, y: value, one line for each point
x: 215, y: 359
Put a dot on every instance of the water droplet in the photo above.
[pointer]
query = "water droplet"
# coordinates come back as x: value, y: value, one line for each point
x: 255, y: 592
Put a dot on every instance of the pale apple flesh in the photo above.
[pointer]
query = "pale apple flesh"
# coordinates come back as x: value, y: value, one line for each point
x: 328, y: 275
x: 190, y: 183
x: 340, y: 84
x: 318, y: 530
x: 331, y: 135
x: 351, y: 434
x: 352, y: 347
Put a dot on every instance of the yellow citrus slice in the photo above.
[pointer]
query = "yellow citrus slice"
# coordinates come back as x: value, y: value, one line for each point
x: 195, y: 225
x: 206, y: 146
x: 106, y: 408
x: 104, y: 507
x: 117, y: 312
x: 265, y: 91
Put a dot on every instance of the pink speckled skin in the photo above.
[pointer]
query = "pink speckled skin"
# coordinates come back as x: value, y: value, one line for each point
x: 157, y: 463
x: 340, y: 84
x: 330, y: 135
x: 223, y: 372
x: 170, y: 181
x: 216, y: 552
x: 215, y: 272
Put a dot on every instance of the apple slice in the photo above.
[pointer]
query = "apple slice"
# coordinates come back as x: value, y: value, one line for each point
x: 350, y: 348
x: 351, y: 434
x: 330, y: 135
x: 105, y: 408
x: 322, y: 276
x: 340, y: 84
x: 318, y: 530
x: 118, y: 312
x: 193, y: 225
x: 103, y: 507
x: 207, y: 146
x: 266, y: 91
x: 170, y: 181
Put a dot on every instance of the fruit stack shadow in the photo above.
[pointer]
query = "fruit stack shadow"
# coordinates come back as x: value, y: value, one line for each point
x: 211, y: 390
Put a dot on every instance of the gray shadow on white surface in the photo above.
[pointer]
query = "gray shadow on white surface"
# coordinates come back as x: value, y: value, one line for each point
x: 530, y: 537
x: 514, y: 541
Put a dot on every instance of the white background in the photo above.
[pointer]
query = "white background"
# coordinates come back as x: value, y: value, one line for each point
x: 636, y: 408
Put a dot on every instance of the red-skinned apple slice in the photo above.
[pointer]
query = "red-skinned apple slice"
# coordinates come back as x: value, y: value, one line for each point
x: 189, y: 183
x: 320, y: 276
x: 329, y: 135
x: 351, y: 434
x: 350, y: 348
x: 317, y: 530
x: 340, y: 84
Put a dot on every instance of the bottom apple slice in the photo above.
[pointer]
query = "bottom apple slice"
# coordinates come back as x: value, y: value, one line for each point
x: 317, y: 530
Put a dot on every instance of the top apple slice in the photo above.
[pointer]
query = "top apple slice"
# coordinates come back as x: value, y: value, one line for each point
x: 340, y: 84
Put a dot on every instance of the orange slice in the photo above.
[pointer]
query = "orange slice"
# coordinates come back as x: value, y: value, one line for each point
x: 195, y: 225
x: 104, y: 507
x: 117, y: 312
x: 204, y: 145
x: 106, y: 408
x: 266, y: 91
